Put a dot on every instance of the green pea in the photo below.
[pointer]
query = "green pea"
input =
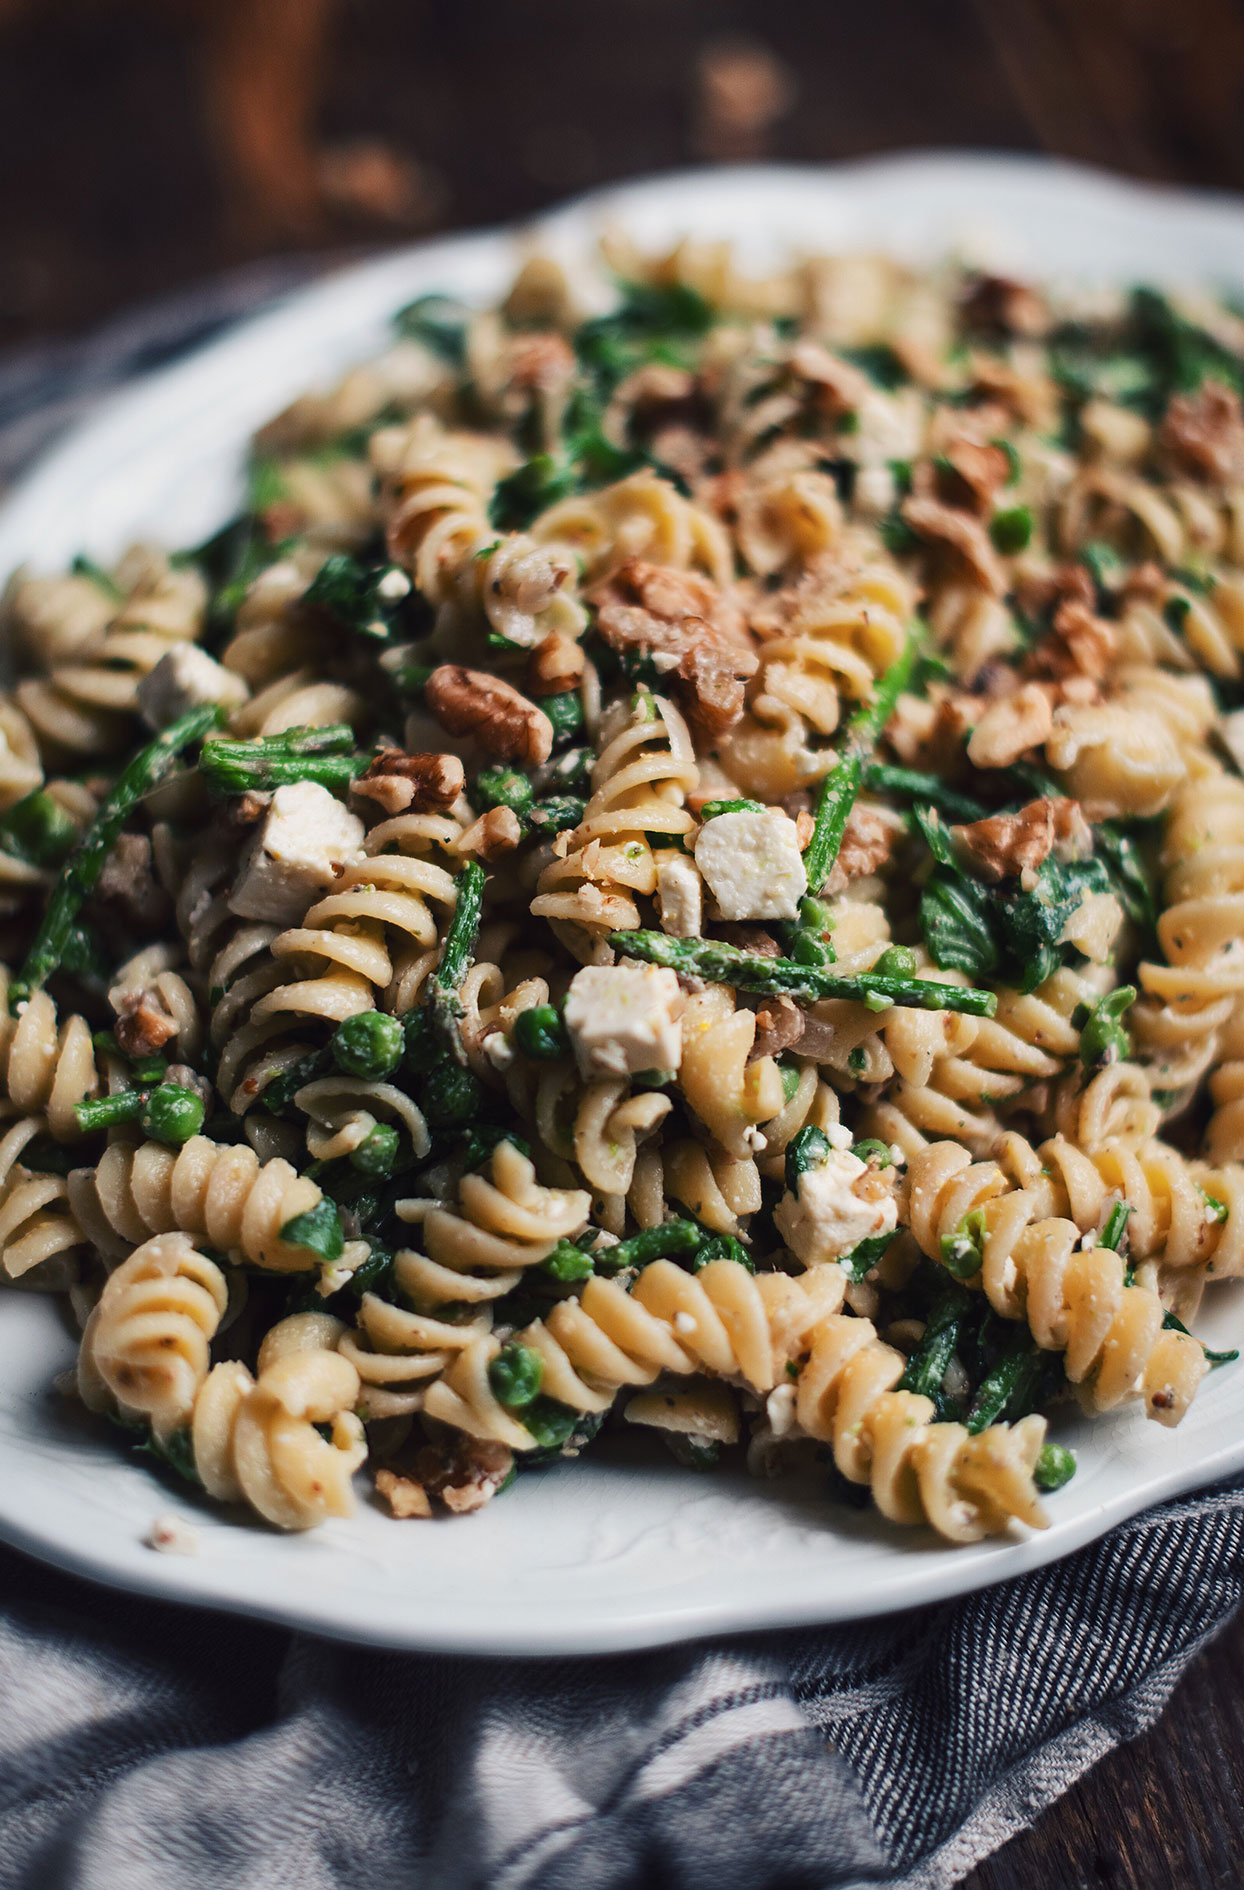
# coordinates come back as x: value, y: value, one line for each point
x: 565, y: 712
x: 502, y: 787
x: 540, y: 1033
x: 377, y: 1154
x: 173, y: 1114
x: 963, y: 1252
x: 790, y: 1076
x: 369, y: 1045
x: 1011, y: 530
x: 896, y: 961
x: 806, y: 949
x: 451, y: 1096
x: 1054, y: 1467
x: 568, y: 1263
x: 549, y: 1422
x: 1103, y: 1038
x: 516, y: 1375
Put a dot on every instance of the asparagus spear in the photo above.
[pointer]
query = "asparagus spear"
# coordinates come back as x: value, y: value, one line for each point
x: 912, y: 784
x: 82, y: 869
x: 299, y: 754
x: 444, y: 1006
x: 842, y: 783
x: 726, y: 964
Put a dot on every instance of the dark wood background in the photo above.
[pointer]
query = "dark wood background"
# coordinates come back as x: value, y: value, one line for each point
x: 147, y: 143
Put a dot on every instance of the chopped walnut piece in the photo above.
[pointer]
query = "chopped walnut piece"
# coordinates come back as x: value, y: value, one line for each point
x: 962, y: 535
x: 1076, y: 654
x: 751, y: 938
x: 129, y: 887
x: 997, y: 305
x: 143, y: 1025
x: 867, y: 842
x: 496, y: 832
x: 671, y: 619
x: 1008, y: 846
x: 543, y: 362
x: 979, y: 471
x: 1009, y: 726
x: 463, y: 1472
x: 779, y: 1025
x: 842, y: 388
x: 1038, y: 592
x: 404, y: 1496
x: 471, y: 702
x: 554, y: 666
x: 426, y: 783
x: 929, y: 732
x: 1145, y: 581
x: 1025, y: 391
x: 1203, y: 433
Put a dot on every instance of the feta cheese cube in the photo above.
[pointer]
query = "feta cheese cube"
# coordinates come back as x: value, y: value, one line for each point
x: 680, y: 897
x: 826, y: 1218
x: 752, y: 864
x: 184, y: 679
x: 306, y: 835
x: 624, y: 1018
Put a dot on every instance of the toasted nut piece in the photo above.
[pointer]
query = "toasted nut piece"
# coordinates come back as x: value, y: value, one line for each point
x: 554, y: 666
x: 867, y: 842
x: 404, y: 1496
x: 960, y: 533
x: 470, y: 702
x: 1204, y: 433
x: 1077, y: 652
x: 496, y: 832
x: 428, y: 783
x: 779, y: 1024
x: 143, y: 1025
x: 997, y: 305
x: 1009, y: 726
x: 463, y: 1472
x: 1014, y: 845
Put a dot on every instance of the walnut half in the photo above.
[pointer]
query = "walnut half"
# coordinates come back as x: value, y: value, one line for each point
x: 470, y: 702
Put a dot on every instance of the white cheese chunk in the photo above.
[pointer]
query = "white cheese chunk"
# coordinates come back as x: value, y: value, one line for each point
x: 186, y: 678
x: 624, y: 1018
x: 306, y: 835
x: 752, y: 864
x: 680, y: 897
x: 826, y: 1218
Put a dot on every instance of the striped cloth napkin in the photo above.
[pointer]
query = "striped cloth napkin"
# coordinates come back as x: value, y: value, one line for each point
x: 150, y: 1747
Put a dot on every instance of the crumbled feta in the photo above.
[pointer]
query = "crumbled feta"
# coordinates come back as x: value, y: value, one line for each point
x: 752, y: 864
x: 306, y: 835
x: 838, y: 1135
x: 780, y: 1409
x: 499, y: 1050
x: 827, y: 1218
x: 171, y: 1536
x: 680, y: 897
x: 184, y: 679
x: 624, y: 1018
x: 393, y: 586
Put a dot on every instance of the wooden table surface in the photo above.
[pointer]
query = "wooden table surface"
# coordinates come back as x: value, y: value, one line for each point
x: 144, y: 143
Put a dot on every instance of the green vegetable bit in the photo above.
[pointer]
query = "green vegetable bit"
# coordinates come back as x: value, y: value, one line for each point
x: 1011, y: 530
x: 963, y: 1252
x: 368, y: 1045
x: 37, y: 830
x: 82, y: 869
x: 842, y: 783
x: 808, y: 1149
x: 318, y: 1230
x: 173, y: 1114
x: 502, y: 787
x: 1055, y: 1466
x: 515, y: 1375
x: 444, y: 1006
x: 1103, y: 1039
x: 726, y: 964
x: 298, y: 754
x: 378, y: 1153
x: 540, y: 1033
x: 1116, y: 1223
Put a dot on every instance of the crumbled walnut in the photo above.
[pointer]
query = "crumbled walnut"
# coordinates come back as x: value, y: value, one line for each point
x: 1145, y: 582
x: 1203, y: 433
x: 424, y: 783
x: 129, y: 886
x: 867, y: 842
x: 682, y: 450
x: 805, y: 825
x: 841, y: 387
x: 554, y: 666
x: 1010, y: 726
x: 929, y: 732
x: 143, y: 1025
x: 1025, y: 391
x: 463, y: 1472
x: 1008, y: 846
x: 655, y: 385
x: 404, y: 1496
x: 961, y: 535
x: 542, y: 362
x: 751, y: 938
x: 671, y: 618
x: 997, y: 305
x: 496, y: 832
x: 245, y: 809
x: 779, y: 1025
x: 980, y: 471
x: 1076, y: 654
x: 1038, y: 592
x: 470, y: 702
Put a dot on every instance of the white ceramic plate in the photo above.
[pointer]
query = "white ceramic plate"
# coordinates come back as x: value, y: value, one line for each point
x: 625, y: 1552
